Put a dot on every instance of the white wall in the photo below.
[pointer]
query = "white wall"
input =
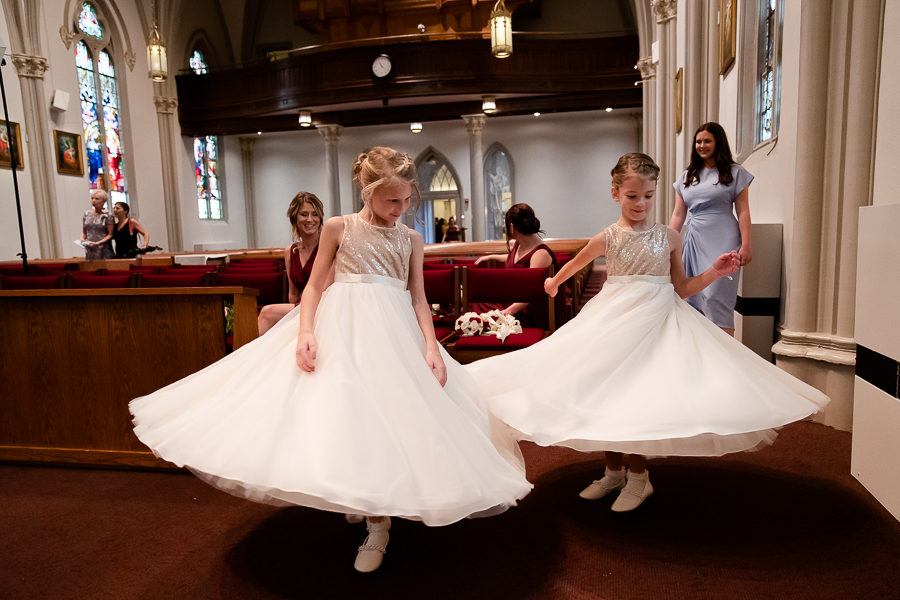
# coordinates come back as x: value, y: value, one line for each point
x: 887, y: 144
x: 9, y: 222
x: 561, y: 164
x: 141, y: 139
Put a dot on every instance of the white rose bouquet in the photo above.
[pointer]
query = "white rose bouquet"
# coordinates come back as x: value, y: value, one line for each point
x: 500, y: 324
x: 469, y: 324
x: 490, y: 323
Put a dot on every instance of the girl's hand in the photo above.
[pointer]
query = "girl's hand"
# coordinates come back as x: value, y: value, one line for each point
x: 481, y: 259
x: 745, y: 255
x: 727, y: 264
x: 306, y: 352
x: 436, y: 363
x: 550, y: 287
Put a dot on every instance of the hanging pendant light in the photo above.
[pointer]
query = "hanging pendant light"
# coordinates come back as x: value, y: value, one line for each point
x: 415, y: 127
x: 156, y: 53
x: 501, y: 30
x: 488, y: 104
x: 305, y: 118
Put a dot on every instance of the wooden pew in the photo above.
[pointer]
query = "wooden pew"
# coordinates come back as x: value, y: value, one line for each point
x: 71, y: 360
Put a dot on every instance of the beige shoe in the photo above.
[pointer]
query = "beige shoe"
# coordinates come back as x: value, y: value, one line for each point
x: 371, y: 553
x: 612, y: 481
x: 634, y: 493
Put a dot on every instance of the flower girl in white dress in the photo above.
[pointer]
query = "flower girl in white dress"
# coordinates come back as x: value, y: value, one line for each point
x: 377, y: 420
x: 643, y: 373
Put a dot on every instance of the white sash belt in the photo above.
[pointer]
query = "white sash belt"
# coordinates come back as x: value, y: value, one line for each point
x: 369, y: 278
x: 639, y: 278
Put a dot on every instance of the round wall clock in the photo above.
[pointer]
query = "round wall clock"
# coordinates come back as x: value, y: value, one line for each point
x: 381, y: 66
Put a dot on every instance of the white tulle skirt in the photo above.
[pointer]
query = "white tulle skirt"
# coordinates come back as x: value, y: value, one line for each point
x: 640, y: 371
x: 370, y: 432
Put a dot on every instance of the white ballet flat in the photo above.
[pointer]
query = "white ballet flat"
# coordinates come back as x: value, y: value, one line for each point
x: 371, y: 553
x: 634, y: 493
x: 612, y: 481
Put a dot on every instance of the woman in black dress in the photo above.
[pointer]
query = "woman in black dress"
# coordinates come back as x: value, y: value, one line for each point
x: 126, y: 231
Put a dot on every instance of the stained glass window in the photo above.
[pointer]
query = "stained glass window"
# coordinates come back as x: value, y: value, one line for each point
x: 768, y: 74
x: 497, y: 190
x: 440, y: 197
x: 206, y: 162
x: 97, y: 80
x: 88, y: 22
x: 198, y: 63
x: 443, y: 181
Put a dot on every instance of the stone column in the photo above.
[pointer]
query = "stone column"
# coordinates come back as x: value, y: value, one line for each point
x: 39, y: 144
x: 475, y: 127
x: 711, y: 72
x: 665, y: 11
x: 165, y: 118
x: 694, y: 73
x: 839, y: 55
x: 648, y: 93
x: 332, y: 135
x: 247, y: 144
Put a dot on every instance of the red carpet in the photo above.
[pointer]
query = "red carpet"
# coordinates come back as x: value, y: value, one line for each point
x: 787, y: 522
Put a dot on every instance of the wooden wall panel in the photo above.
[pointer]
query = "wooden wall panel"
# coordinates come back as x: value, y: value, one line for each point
x: 71, y: 362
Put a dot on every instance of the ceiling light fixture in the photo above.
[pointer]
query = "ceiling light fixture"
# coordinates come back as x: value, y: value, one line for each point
x: 415, y: 127
x: 156, y: 53
x: 501, y: 30
x: 489, y: 104
x: 609, y: 109
x: 305, y: 118
x: 537, y: 114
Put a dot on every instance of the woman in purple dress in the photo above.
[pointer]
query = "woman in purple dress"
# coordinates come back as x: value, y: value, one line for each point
x: 712, y: 189
x: 305, y: 214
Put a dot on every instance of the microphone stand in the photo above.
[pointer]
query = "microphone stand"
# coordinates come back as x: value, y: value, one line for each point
x: 13, y: 161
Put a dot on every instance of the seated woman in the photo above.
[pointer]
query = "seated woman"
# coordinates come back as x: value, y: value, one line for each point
x: 528, y: 251
x: 451, y: 234
x: 125, y: 232
x: 305, y: 215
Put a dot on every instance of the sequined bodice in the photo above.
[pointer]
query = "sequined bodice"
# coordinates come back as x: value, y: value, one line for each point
x: 637, y: 252
x: 370, y: 250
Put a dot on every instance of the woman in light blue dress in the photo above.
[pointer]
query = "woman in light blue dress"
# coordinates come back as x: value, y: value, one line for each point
x: 713, y: 188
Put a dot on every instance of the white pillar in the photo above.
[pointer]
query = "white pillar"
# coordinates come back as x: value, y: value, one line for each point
x: 165, y: 117
x: 332, y: 135
x: 648, y: 93
x: 474, y: 127
x: 665, y: 11
x: 247, y: 144
x: 41, y: 167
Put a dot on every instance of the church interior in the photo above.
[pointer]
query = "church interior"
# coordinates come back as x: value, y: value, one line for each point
x: 208, y: 116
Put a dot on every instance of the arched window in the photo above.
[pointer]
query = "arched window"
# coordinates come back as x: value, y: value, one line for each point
x: 206, y: 161
x: 497, y: 189
x: 768, y: 66
x: 439, y: 186
x: 100, y: 107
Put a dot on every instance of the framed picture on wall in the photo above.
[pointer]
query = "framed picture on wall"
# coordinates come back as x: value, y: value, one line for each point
x: 679, y: 98
x: 13, y: 133
x: 727, y: 34
x: 69, y: 157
